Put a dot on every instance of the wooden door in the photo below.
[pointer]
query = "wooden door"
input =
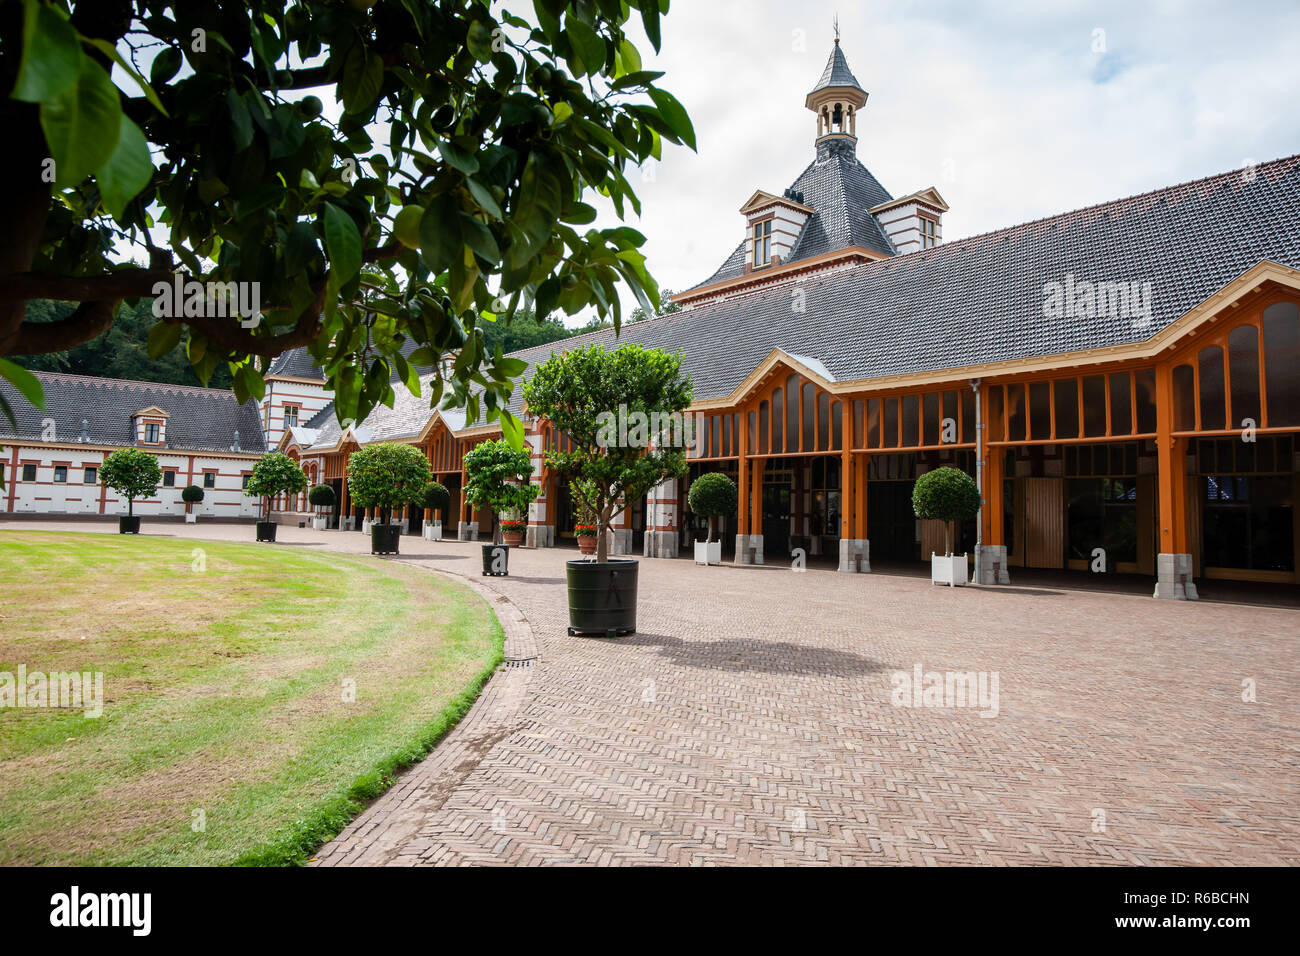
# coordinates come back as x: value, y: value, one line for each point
x: 1044, y: 522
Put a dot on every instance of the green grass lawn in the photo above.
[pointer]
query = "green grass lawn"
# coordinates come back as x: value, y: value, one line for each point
x: 225, y: 735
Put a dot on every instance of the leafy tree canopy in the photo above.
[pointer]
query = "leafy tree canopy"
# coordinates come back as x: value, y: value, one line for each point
x: 498, y: 476
x: 946, y: 494
x: 321, y: 496
x: 132, y: 473
x: 584, y: 391
x: 713, y: 495
x: 450, y: 188
x: 436, y: 497
x: 191, y: 494
x: 275, y: 474
x: 387, y: 474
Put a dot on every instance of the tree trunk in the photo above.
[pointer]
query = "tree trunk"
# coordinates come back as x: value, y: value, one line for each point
x: 947, y: 538
x: 709, y: 538
x: 130, y: 507
x: 602, y: 534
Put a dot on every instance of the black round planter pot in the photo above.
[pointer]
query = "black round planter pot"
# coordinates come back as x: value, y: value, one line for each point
x: 266, y: 530
x: 496, y: 560
x: 384, y: 538
x: 128, y: 525
x: 602, y: 597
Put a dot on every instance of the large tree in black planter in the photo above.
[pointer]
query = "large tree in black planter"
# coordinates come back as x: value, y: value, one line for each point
x: 321, y: 496
x: 583, y: 393
x: 385, y: 476
x: 497, y: 476
x: 274, y: 474
x: 134, y: 474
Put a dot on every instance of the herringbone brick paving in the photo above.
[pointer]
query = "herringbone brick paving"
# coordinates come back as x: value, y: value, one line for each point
x: 749, y: 721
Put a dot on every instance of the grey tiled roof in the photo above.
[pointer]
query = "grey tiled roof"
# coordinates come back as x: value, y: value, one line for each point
x: 979, y: 300
x: 297, y: 364
x: 837, y: 72
x: 405, y: 419
x: 201, y: 419
x: 842, y: 191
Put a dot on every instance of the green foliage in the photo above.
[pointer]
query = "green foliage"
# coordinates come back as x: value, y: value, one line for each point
x: 947, y: 495
x: 713, y: 495
x: 436, y: 497
x: 494, y: 126
x: 386, y: 475
x: 497, y: 476
x: 580, y: 391
x: 321, y: 496
x: 191, y: 494
x: 132, y: 473
x: 121, y: 352
x: 275, y: 474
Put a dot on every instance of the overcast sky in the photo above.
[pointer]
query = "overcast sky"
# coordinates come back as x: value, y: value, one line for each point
x: 1005, y: 107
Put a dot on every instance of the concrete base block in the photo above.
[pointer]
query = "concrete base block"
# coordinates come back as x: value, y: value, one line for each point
x: 540, y: 536
x: 467, y: 531
x: 366, y: 525
x: 993, y: 565
x: 660, y: 544
x: 749, y: 549
x: 855, y: 555
x: 620, y: 540
x: 348, y: 523
x: 1174, y: 578
x: 432, y: 531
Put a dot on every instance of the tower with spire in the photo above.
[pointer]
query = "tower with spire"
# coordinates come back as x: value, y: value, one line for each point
x: 837, y: 98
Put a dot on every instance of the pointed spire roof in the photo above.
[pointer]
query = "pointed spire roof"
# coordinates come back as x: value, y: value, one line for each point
x: 837, y: 72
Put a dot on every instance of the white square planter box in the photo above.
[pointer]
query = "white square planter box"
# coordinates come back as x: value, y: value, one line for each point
x: 708, y: 553
x: 433, y: 531
x: 191, y: 518
x: 319, y: 523
x: 365, y: 525
x: 949, y: 569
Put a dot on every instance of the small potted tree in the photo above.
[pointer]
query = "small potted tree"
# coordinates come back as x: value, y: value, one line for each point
x: 274, y: 474
x: 435, y: 501
x: 191, y: 495
x: 586, y: 528
x: 320, y: 496
x: 948, y: 495
x: 133, y: 474
x: 713, y: 495
x: 385, y: 476
x: 497, y: 476
x: 584, y: 393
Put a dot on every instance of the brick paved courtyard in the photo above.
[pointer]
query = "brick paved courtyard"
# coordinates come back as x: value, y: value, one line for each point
x: 750, y: 721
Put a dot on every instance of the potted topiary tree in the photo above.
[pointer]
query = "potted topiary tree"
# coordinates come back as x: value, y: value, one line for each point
x: 947, y: 495
x: 274, y: 474
x: 320, y: 496
x: 385, y: 476
x: 191, y: 495
x: 435, y: 501
x: 587, y: 394
x: 713, y: 495
x: 134, y: 474
x: 497, y: 476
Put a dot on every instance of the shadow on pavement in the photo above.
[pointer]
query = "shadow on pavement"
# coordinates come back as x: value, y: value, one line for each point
x: 752, y: 654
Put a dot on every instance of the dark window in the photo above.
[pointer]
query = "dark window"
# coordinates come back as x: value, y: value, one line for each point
x: 151, y: 432
x: 209, y: 479
x: 1067, y: 407
x: 1121, y: 404
x: 60, y: 473
x: 290, y: 416
x: 763, y: 242
x: 29, y: 472
x: 1243, y: 370
x: 1282, y: 363
x: 1210, y: 360
x: 92, y: 476
x: 243, y: 483
x: 169, y: 479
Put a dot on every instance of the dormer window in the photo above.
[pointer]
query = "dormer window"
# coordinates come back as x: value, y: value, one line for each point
x: 763, y: 242
x: 290, y: 416
x: 929, y: 233
x: 151, y: 433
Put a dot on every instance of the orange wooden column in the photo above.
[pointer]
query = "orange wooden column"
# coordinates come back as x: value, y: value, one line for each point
x: 1170, y: 479
x: 848, y: 481
x: 742, y: 519
x: 756, y: 497
x: 860, y: 511
x: 994, y: 522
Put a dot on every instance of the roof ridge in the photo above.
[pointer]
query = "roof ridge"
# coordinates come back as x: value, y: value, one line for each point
x: 73, y: 378
x: 1295, y: 157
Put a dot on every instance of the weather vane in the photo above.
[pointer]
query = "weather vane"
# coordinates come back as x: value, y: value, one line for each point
x: 837, y: 28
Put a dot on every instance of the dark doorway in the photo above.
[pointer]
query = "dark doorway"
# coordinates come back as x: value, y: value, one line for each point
x: 776, y: 514
x: 891, y: 522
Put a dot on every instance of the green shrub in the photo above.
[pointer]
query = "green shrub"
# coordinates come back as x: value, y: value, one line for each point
x: 499, y: 477
x: 192, y: 495
x: 321, y: 496
x: 275, y: 474
x: 713, y: 496
x: 387, y: 475
x: 947, y: 495
x: 132, y: 473
x: 436, y: 498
